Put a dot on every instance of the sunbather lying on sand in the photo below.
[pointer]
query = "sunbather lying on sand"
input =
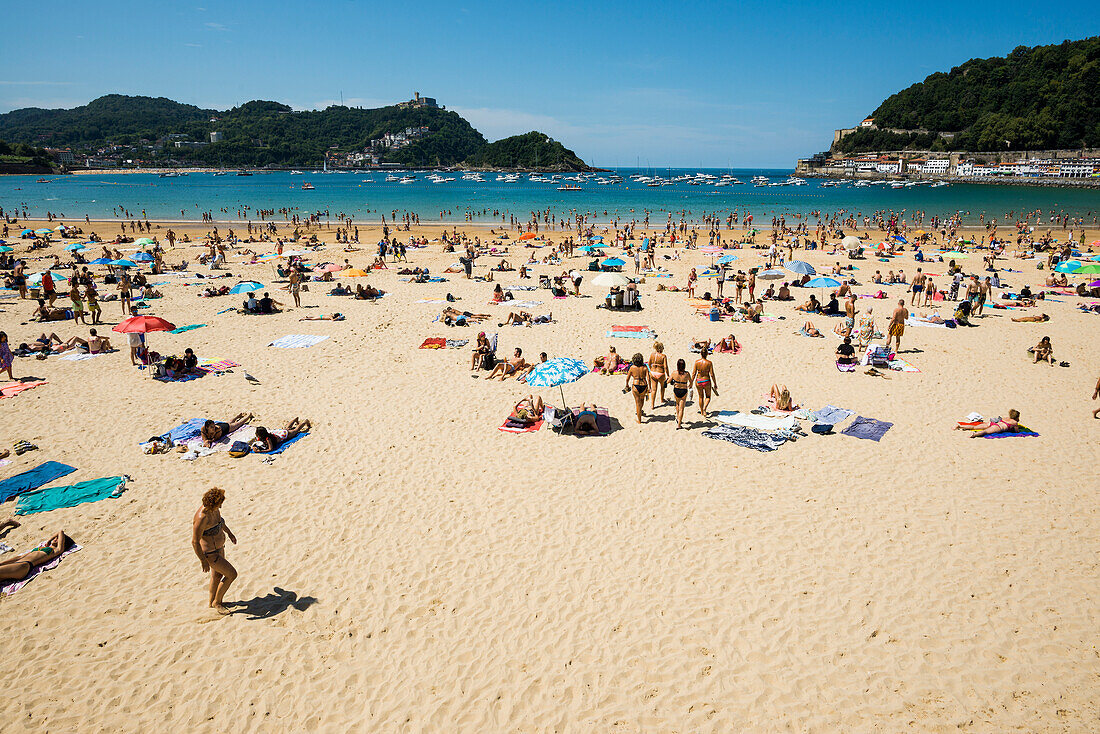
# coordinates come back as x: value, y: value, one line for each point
x: 1001, y: 425
x: 585, y: 424
x: 212, y: 431
x: 609, y: 364
x: 528, y: 410
x: 454, y: 317
x: 808, y: 329
x: 324, y: 317
x: 19, y: 567
x: 523, y: 317
x: 266, y: 441
x: 782, y: 397
x: 1040, y: 317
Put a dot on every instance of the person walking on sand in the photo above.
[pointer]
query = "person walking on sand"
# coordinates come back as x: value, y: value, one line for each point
x: 897, y: 325
x: 658, y: 373
x: 681, y: 385
x: 637, y: 382
x: 208, y: 535
x: 702, y: 374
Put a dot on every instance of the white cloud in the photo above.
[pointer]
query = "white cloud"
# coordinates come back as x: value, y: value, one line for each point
x: 216, y: 26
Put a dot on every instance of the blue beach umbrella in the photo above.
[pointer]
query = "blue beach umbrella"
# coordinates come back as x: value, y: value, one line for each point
x: 726, y: 259
x: 74, y: 247
x: 1068, y: 266
x: 5, y: 248
x: 25, y: 232
x: 588, y: 248
x: 101, y: 261
x: 801, y: 267
x: 143, y: 257
x: 613, y: 262
x: 823, y: 283
x: 901, y: 239
x: 123, y: 263
x: 44, y: 230
x: 246, y: 286
x: 597, y: 238
x: 556, y: 372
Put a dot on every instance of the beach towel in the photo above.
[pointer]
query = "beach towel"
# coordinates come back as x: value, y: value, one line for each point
x: 520, y: 429
x: 850, y: 367
x: 189, y: 327
x: 33, y: 479
x: 868, y: 428
x: 457, y: 343
x: 285, y: 444
x: 10, y: 587
x: 631, y: 333
x: 901, y: 365
x: 919, y: 322
x: 222, y: 366
x: 224, y: 310
x: 53, y: 498
x: 749, y: 438
x: 12, y: 389
x: 603, y: 419
x: 519, y: 304
x: 434, y: 342
x: 520, y: 288
x: 621, y: 369
x: 1022, y: 432
x: 831, y: 414
x: 80, y: 357
x: 297, y: 341
x: 759, y: 422
x: 431, y: 300
x: 185, y: 431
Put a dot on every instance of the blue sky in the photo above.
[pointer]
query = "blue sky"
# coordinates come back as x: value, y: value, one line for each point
x: 660, y: 83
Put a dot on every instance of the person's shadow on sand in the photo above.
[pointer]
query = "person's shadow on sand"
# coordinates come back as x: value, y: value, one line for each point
x: 278, y: 601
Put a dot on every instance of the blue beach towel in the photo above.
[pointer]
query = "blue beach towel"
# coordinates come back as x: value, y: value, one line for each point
x: 52, y: 498
x: 189, y: 327
x: 749, y: 438
x: 283, y: 446
x: 831, y: 414
x: 868, y: 428
x: 33, y: 479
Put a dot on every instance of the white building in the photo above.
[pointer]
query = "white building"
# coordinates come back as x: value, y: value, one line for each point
x: 935, y: 167
x: 964, y: 168
x: 216, y: 137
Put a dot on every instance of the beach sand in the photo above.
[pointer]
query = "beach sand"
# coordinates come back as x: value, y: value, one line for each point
x: 408, y: 567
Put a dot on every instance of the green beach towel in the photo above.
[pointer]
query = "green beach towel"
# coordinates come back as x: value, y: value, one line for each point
x: 189, y: 327
x: 53, y: 498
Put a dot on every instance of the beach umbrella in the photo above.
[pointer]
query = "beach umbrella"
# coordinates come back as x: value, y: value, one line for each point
x: 44, y: 230
x: 332, y: 268
x: 597, y: 237
x: 528, y: 236
x: 823, y: 282
x: 771, y: 274
x: 101, y: 261
x: 710, y: 250
x: 145, y: 241
x: 123, y: 263
x: 556, y: 372
x: 587, y: 248
x: 143, y: 257
x: 1095, y: 257
x: 610, y: 279
x: 74, y: 247
x: 1090, y: 269
x: 801, y: 267
x: 726, y: 259
x: 1094, y: 284
x: 851, y: 243
x: 25, y: 232
x: 246, y: 286
x: 1069, y: 266
x: 901, y: 239
x: 143, y: 325
x: 354, y: 273
x: 5, y: 248
x: 613, y: 262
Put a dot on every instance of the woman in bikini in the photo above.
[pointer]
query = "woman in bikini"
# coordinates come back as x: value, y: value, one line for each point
x: 212, y: 431
x: 20, y: 567
x: 266, y: 441
x: 658, y: 373
x: 705, y: 382
x: 124, y: 293
x: 681, y: 385
x: 1011, y: 424
x: 208, y: 535
x: 585, y: 424
x: 782, y: 397
x: 637, y: 381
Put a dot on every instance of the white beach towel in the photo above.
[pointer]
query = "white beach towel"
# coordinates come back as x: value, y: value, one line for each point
x: 759, y: 422
x: 521, y: 304
x: 78, y: 357
x: 917, y: 322
x: 294, y: 341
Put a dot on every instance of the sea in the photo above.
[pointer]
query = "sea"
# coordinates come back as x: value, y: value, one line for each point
x: 367, y: 195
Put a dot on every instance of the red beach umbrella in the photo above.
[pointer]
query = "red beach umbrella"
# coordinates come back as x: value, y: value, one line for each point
x: 143, y: 325
x: 528, y: 236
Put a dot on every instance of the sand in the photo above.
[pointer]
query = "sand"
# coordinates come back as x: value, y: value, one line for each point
x: 408, y: 567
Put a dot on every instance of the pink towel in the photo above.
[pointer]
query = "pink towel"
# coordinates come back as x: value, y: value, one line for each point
x: 14, y: 388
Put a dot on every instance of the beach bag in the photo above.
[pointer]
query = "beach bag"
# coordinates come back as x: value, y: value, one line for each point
x: 239, y: 449
x: 488, y: 360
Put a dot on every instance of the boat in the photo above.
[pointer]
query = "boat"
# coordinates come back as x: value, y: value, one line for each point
x: 244, y: 173
x: 296, y: 173
x: 407, y: 179
x: 307, y: 186
x: 569, y: 187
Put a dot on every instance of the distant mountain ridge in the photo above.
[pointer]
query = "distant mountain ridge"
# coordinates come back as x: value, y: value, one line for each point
x: 261, y: 133
x: 1039, y: 98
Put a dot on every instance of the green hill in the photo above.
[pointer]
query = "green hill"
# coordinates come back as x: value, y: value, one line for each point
x: 261, y: 133
x: 530, y: 150
x: 1043, y: 97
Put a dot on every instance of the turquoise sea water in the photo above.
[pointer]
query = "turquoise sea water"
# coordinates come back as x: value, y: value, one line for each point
x: 364, y: 195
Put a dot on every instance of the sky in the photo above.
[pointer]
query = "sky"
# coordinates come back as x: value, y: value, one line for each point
x: 681, y: 84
